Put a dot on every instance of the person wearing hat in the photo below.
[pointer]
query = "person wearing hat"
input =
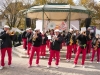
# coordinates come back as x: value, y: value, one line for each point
x: 36, y: 44
x: 29, y: 41
x: 43, y: 45
x: 69, y: 43
x: 96, y: 48
x: 55, y: 48
x: 24, y: 39
x: 89, y: 40
x: 6, y: 45
x: 82, y: 42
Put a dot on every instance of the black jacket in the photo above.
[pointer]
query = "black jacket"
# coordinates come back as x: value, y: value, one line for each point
x: 99, y: 45
x: 94, y: 40
x: 56, y: 45
x: 28, y: 35
x: 6, y: 40
x: 37, y: 42
x: 82, y: 40
x: 87, y: 34
x: 67, y: 38
x: 24, y: 35
x: 45, y: 39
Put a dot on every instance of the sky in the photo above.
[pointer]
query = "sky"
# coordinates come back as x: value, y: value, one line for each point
x: 32, y: 0
x: 94, y: 0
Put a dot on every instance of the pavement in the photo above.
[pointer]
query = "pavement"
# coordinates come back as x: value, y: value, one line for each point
x: 65, y: 68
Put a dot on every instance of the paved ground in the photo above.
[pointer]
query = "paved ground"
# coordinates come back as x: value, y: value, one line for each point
x: 21, y: 68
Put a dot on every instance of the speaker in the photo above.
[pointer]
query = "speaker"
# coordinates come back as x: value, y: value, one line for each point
x: 28, y: 22
x: 87, y: 22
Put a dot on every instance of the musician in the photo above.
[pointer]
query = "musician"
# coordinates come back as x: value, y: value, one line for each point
x: 48, y: 41
x: 89, y: 40
x: 75, y: 41
x: 28, y: 35
x: 24, y: 39
x: 55, y: 48
x: 82, y: 41
x: 98, y: 51
x: 6, y: 45
x: 51, y: 34
x: 36, y: 43
x: 69, y: 43
x: 43, y: 46
x: 63, y: 34
x: 95, y: 44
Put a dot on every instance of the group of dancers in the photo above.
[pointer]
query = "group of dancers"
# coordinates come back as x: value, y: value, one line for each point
x: 78, y: 42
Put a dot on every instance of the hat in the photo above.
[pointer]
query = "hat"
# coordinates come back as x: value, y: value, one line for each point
x: 6, y: 26
x: 89, y: 27
x: 91, y: 31
x: 83, y: 30
x: 28, y: 29
x: 71, y: 30
x: 57, y: 30
x: 60, y: 31
x: 36, y: 29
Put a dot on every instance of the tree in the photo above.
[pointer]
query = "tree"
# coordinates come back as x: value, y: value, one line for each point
x: 40, y: 2
x: 71, y: 2
x: 11, y: 9
x: 94, y: 8
x: 83, y: 2
x: 58, y: 1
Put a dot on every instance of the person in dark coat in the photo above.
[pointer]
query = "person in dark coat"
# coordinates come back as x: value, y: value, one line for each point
x: 82, y: 42
x: 43, y: 45
x: 6, y: 45
x: 69, y: 43
x: 24, y: 39
x: 55, y: 48
x: 36, y: 44
x: 89, y: 40
x: 96, y: 48
x: 29, y: 41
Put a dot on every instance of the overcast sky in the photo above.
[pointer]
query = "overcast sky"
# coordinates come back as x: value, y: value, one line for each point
x: 32, y: 0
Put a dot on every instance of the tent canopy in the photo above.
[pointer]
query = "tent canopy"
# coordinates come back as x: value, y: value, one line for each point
x: 58, y: 12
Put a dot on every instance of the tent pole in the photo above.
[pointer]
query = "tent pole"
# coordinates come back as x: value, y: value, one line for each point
x: 69, y: 16
x: 80, y: 24
x: 43, y: 20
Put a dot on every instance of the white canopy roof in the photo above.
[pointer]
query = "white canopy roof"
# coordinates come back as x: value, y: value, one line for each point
x: 58, y: 12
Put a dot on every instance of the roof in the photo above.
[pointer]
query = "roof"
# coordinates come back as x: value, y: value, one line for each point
x: 58, y: 8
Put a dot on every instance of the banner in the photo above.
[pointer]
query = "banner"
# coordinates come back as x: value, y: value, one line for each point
x: 63, y: 26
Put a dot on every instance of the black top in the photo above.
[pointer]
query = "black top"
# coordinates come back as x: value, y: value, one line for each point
x: 28, y: 35
x: 37, y: 42
x: 45, y: 39
x: 56, y: 44
x: 68, y: 37
x: 6, y: 40
x: 82, y: 40
x: 88, y: 34
x: 24, y: 35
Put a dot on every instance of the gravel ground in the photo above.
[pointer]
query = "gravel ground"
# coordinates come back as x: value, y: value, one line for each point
x: 21, y: 68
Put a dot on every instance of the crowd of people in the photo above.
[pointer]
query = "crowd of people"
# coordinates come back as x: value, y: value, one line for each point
x: 78, y: 42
